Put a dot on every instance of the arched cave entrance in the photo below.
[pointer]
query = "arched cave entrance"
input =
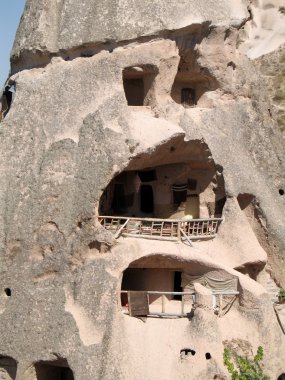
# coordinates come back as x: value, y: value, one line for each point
x: 152, y: 282
x: 55, y: 370
x: 281, y: 377
x: 178, y: 180
x: 161, y: 274
x: 8, y: 368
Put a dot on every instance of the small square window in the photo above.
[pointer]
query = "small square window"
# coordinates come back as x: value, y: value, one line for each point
x: 188, y: 96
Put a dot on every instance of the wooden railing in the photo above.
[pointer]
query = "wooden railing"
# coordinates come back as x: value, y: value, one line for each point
x: 164, y: 301
x: 178, y: 310
x: 161, y: 229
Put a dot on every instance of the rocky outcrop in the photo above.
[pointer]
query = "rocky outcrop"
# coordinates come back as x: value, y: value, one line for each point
x: 76, y: 125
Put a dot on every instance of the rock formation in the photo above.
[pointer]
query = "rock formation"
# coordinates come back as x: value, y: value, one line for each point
x: 153, y: 113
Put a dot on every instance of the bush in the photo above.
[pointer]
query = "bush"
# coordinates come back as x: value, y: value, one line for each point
x: 247, y: 369
x: 281, y: 293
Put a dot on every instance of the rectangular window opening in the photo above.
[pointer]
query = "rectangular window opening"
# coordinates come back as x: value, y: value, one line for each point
x: 134, y: 91
x: 188, y: 96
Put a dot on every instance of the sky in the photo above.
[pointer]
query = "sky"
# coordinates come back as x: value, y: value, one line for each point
x: 10, y: 14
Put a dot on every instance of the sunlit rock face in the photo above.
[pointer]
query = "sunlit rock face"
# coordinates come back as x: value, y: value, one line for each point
x: 156, y: 113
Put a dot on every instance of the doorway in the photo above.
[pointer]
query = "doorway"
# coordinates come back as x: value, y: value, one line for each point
x: 177, y: 285
x: 146, y: 198
x: 119, y: 199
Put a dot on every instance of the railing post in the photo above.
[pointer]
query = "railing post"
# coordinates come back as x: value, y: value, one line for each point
x: 178, y: 230
x: 182, y: 304
x: 163, y: 303
x: 163, y: 228
x: 220, y: 304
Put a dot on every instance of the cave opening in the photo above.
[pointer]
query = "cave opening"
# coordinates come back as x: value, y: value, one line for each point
x: 8, y: 292
x: 191, y: 81
x: 55, y: 370
x: 138, y: 84
x: 7, y: 99
x: 8, y: 367
x: 179, y: 183
x: 150, y: 283
x: 154, y: 280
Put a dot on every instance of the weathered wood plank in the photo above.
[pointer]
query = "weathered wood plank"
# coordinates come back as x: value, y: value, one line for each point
x: 152, y: 237
x: 118, y: 233
x: 138, y: 303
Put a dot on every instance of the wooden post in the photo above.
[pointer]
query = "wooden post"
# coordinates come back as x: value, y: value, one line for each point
x: 163, y: 303
x: 138, y: 303
x: 221, y: 305
x: 118, y: 233
x: 186, y: 237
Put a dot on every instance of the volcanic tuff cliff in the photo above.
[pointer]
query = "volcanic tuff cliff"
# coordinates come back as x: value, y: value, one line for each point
x: 106, y: 91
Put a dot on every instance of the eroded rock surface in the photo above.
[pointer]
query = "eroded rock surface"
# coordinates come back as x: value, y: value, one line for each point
x: 100, y: 94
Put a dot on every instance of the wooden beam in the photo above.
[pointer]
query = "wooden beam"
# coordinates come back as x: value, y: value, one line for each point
x: 118, y: 233
x: 186, y: 237
x: 152, y: 237
x: 159, y: 219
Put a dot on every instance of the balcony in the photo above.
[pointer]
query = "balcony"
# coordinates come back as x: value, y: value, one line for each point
x: 137, y: 303
x: 161, y: 229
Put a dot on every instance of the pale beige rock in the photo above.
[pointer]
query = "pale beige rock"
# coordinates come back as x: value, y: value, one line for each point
x: 70, y: 132
x: 203, y: 297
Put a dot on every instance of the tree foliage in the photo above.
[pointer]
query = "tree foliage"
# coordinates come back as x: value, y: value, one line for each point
x: 244, y: 368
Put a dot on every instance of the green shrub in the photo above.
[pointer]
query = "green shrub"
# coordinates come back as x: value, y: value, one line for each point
x: 243, y: 368
x: 281, y: 293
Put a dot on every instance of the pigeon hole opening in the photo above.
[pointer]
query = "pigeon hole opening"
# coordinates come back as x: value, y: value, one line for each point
x: 8, y: 292
x: 281, y: 192
x: 208, y: 356
x: 186, y: 351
